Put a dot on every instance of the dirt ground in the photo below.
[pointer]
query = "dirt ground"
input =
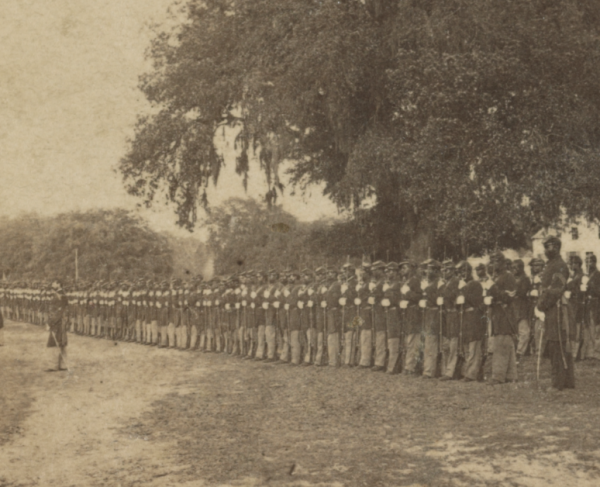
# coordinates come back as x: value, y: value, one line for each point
x: 130, y: 415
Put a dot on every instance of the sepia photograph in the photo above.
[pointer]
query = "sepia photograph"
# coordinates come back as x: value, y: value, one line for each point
x: 299, y: 243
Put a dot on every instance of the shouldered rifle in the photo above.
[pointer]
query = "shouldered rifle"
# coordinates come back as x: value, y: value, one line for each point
x: 438, y: 365
x: 288, y: 330
x: 461, y: 355
x: 343, y: 335
x: 402, y: 355
x: 241, y: 329
x: 373, y: 341
x: 486, y: 338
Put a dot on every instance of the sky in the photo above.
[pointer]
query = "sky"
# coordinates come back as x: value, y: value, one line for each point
x: 68, y: 101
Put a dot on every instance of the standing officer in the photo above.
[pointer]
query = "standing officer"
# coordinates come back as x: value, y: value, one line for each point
x: 57, y: 325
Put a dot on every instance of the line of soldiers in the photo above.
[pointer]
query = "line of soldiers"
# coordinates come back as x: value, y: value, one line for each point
x: 434, y: 320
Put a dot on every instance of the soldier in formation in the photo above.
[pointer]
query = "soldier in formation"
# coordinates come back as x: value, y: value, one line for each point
x: 436, y: 320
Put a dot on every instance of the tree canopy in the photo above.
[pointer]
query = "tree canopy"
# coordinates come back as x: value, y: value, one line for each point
x: 110, y: 245
x: 470, y: 123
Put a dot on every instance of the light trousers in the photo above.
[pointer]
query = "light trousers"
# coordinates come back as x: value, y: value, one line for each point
x: 412, y: 344
x: 449, y: 356
x: 320, y: 348
x: 311, y: 344
x: 296, y: 347
x: 380, y: 348
x: 261, y: 342
x: 473, y: 357
x: 590, y: 340
x: 504, y: 363
x: 393, y: 345
x: 350, y: 348
x: 430, y: 355
x: 284, y: 354
x: 270, y: 334
x: 333, y: 349
x: 366, y: 347
x: 524, y: 336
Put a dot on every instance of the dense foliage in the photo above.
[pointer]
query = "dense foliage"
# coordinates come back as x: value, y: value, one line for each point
x: 245, y: 234
x: 109, y: 244
x: 471, y: 123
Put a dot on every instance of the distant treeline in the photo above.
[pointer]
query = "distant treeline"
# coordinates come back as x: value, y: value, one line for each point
x: 245, y: 234
x: 103, y: 244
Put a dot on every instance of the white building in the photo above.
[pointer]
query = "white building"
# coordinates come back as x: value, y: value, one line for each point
x: 579, y: 238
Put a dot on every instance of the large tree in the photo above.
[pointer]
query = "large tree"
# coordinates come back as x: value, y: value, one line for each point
x: 470, y: 123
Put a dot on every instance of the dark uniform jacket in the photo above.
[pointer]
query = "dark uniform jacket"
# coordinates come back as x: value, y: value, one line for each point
x: 554, y: 283
x: 521, y: 304
x: 593, y: 297
x: 411, y: 313
x: 434, y: 319
x: 576, y: 298
x: 391, y: 305
x: 318, y: 298
x: 534, y: 294
x: 473, y: 312
x: 268, y: 298
x: 295, y: 313
x: 374, y: 305
x: 332, y: 298
x: 346, y: 301
x: 502, y: 319
x: 315, y: 317
x: 450, y: 292
x: 361, y: 306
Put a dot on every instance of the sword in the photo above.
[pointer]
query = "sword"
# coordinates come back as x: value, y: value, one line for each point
x: 539, y: 360
x: 562, y: 352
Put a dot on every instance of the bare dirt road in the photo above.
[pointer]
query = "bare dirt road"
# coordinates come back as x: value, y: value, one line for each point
x: 130, y: 415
